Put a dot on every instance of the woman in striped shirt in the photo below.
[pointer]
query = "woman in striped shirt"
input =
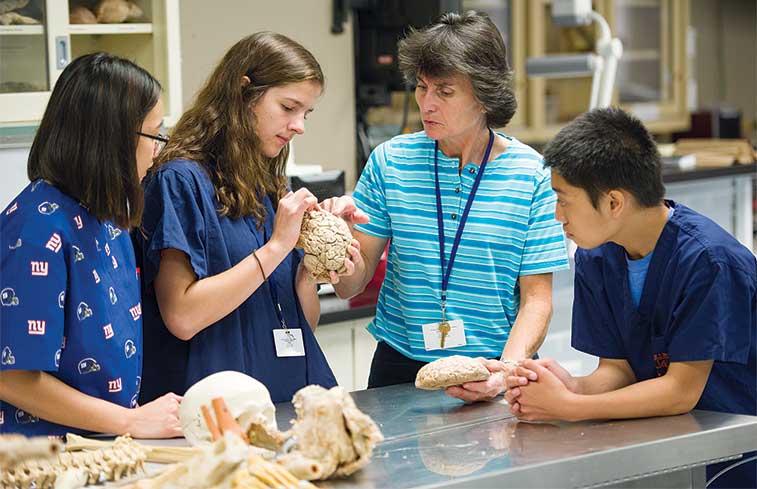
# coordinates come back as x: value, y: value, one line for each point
x: 468, y: 212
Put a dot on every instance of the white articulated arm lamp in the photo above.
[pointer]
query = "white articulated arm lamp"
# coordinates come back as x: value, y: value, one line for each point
x: 602, y: 65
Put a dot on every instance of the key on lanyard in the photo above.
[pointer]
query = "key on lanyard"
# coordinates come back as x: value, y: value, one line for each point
x: 444, y: 330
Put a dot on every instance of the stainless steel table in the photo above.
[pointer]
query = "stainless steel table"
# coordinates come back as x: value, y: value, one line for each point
x: 433, y: 440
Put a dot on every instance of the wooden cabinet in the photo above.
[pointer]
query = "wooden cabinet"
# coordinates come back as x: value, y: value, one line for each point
x: 651, y: 80
x: 33, y: 56
x: 651, y: 77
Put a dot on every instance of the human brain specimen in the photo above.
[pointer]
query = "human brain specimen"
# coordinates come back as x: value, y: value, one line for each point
x: 449, y: 371
x: 325, y: 238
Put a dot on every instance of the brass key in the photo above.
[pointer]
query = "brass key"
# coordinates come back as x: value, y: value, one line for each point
x: 444, y: 330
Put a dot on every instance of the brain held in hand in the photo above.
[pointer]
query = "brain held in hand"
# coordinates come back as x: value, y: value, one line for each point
x: 325, y: 239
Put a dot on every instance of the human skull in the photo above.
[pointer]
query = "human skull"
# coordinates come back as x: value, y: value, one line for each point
x: 325, y: 238
x: 248, y: 401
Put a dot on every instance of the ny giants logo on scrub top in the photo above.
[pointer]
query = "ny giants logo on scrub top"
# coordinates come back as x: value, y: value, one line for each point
x: 108, y: 330
x: 136, y: 311
x: 54, y: 243
x: 36, y: 326
x: 2, y: 417
x: 661, y: 363
x: 114, y: 385
x: 11, y: 209
x: 78, y: 221
x: 39, y: 268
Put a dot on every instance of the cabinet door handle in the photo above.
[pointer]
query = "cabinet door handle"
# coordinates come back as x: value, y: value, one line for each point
x: 61, y: 52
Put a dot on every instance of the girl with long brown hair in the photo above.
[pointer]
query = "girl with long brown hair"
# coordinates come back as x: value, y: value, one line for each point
x: 223, y: 287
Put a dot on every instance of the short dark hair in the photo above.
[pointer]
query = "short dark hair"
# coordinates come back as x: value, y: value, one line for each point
x: 467, y: 44
x: 86, y: 143
x: 608, y: 149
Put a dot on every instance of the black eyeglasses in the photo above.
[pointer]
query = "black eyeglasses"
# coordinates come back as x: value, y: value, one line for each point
x: 160, y: 141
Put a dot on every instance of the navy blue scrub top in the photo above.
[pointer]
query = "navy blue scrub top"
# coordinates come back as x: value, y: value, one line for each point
x: 699, y: 302
x: 69, y: 290
x: 181, y: 213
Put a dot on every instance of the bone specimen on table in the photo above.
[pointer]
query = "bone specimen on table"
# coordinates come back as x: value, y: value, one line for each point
x: 449, y: 371
x: 124, y: 458
x: 17, y: 448
x: 156, y: 454
x: 333, y: 437
x: 227, y: 463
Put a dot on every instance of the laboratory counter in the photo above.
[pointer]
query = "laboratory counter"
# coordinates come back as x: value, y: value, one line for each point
x: 674, y: 175
x: 433, y: 440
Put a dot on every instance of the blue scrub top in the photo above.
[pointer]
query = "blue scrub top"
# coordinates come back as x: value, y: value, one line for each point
x: 69, y: 291
x: 181, y: 213
x: 699, y: 302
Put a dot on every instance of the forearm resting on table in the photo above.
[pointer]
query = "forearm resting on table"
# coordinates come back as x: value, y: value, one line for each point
x: 188, y: 305
x: 676, y: 392
x: 46, y: 397
x: 610, y: 375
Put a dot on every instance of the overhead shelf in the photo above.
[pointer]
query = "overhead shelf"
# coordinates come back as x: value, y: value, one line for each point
x: 640, y: 55
x: 21, y: 30
x: 639, y: 3
x: 92, y: 29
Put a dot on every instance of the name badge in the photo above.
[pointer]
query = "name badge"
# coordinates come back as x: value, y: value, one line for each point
x: 432, y: 335
x: 289, y: 342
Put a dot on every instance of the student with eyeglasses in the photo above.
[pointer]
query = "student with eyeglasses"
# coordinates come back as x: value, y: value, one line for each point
x: 159, y: 142
x: 70, y: 313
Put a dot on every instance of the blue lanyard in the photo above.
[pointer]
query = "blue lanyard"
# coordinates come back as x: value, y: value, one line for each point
x: 271, y: 280
x: 447, y: 271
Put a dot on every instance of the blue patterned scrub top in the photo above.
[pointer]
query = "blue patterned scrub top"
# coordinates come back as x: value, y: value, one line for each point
x: 69, y: 290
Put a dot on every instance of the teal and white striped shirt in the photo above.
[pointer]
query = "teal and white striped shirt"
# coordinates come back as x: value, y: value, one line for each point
x: 511, y: 231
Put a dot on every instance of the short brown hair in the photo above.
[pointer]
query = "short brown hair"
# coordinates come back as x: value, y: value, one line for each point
x: 467, y: 44
x: 86, y: 144
x: 218, y: 131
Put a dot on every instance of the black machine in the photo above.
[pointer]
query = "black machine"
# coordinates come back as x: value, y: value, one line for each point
x: 377, y: 26
x: 323, y: 185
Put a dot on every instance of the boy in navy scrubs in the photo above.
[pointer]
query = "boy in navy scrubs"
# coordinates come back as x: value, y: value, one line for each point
x: 663, y: 296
